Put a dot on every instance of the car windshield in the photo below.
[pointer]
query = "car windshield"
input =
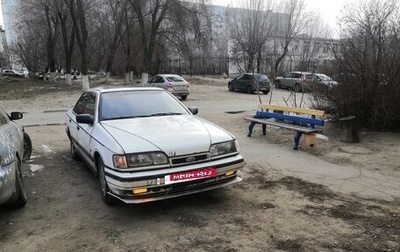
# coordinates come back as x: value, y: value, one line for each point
x: 131, y: 104
x: 175, y: 79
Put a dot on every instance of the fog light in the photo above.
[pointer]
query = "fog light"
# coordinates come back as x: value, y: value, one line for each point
x: 139, y: 190
x: 230, y: 173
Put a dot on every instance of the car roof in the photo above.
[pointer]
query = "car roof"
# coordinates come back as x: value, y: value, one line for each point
x: 109, y: 89
x: 299, y: 72
x: 170, y: 75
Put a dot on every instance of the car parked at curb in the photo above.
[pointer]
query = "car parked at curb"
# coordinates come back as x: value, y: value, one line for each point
x: 175, y: 84
x: 293, y: 80
x: 146, y: 145
x: 250, y: 83
x: 13, y: 144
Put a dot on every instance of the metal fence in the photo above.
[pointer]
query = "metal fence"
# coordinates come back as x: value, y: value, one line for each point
x: 193, y: 66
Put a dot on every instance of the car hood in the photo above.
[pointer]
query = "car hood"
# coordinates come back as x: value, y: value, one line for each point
x: 174, y: 135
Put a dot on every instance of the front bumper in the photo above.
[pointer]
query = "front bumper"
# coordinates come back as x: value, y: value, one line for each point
x: 122, y: 184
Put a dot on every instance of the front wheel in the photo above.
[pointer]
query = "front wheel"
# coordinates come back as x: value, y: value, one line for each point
x: 230, y: 87
x: 107, y: 198
x: 298, y: 88
x: 27, y: 147
x: 21, y: 198
x: 278, y: 84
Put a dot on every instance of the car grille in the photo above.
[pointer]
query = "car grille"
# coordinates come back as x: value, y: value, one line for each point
x: 190, y: 159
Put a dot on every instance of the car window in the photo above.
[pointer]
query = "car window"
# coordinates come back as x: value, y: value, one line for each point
x: 86, y: 104
x: 152, y: 80
x: 159, y: 79
x: 3, y: 117
x: 175, y: 79
x: 262, y: 78
x: 114, y: 105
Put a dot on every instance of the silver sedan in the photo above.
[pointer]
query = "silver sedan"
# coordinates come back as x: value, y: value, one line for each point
x: 11, y: 156
x: 145, y: 145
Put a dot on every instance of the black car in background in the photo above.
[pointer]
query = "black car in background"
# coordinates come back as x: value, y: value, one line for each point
x: 250, y: 83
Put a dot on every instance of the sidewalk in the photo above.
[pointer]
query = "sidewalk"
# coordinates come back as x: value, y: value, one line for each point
x: 341, y: 178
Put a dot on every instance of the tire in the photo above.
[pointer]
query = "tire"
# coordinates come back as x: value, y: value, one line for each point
x: 74, y: 155
x: 249, y: 90
x: 27, y: 147
x: 265, y: 92
x: 184, y: 97
x: 278, y: 84
x: 107, y: 198
x: 298, y: 88
x: 230, y: 87
x: 21, y: 197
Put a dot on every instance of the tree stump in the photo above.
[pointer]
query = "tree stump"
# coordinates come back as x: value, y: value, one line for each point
x: 348, y: 129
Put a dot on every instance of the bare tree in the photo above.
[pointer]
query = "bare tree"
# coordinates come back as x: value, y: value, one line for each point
x: 68, y: 38
x: 252, y: 25
x: 293, y: 23
x: 40, y: 16
x: 116, y: 27
x: 150, y: 15
x: 369, y: 65
x: 79, y: 11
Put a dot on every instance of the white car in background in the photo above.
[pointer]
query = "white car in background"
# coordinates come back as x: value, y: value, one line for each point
x: 175, y: 84
x: 145, y: 145
x: 13, y: 73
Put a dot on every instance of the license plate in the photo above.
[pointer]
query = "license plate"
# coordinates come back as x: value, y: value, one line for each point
x: 190, y: 175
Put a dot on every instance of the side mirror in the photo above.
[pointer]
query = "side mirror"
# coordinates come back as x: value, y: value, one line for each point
x: 194, y: 111
x: 16, y: 115
x: 85, y: 119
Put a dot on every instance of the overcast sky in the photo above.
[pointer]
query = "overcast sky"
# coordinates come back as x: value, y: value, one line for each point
x: 329, y: 9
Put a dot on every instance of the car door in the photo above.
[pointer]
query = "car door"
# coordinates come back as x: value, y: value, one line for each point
x: 158, y: 81
x: 10, y: 143
x: 242, y: 82
x: 81, y: 132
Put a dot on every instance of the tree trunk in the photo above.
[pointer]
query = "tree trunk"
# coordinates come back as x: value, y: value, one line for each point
x: 85, y: 82
x: 348, y: 129
x: 145, y: 78
x: 68, y: 79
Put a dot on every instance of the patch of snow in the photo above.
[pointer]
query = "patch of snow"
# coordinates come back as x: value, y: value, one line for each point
x: 35, y: 167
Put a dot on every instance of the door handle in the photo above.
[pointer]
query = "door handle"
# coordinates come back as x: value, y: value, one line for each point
x: 78, y: 128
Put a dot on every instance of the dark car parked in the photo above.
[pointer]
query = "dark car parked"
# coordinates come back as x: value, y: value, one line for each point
x: 250, y: 83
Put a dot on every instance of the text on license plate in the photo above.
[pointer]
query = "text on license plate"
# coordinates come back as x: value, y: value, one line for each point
x: 190, y: 175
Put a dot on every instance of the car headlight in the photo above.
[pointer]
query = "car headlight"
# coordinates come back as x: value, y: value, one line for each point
x: 224, y: 148
x: 140, y: 159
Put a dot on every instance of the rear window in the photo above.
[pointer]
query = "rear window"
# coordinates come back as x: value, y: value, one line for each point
x: 263, y: 78
x: 175, y: 79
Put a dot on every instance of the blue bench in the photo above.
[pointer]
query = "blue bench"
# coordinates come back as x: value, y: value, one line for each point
x: 301, y: 120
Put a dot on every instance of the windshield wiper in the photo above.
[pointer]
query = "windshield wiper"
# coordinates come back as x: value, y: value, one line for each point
x: 125, y: 117
x: 165, y: 114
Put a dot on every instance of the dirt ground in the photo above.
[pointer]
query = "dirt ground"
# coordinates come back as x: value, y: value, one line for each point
x: 268, y: 211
